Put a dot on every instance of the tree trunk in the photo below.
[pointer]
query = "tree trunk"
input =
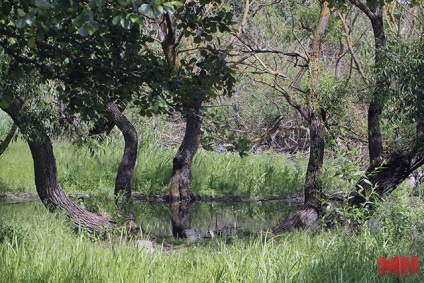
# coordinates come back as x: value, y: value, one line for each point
x: 375, y: 108
x: 309, y: 216
x: 126, y: 168
x: 383, y: 177
x: 375, y: 141
x: 4, y: 144
x: 104, y: 125
x: 46, y: 181
x: 179, y: 185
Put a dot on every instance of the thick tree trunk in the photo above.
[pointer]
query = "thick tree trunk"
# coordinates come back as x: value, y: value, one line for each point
x: 46, y: 181
x: 383, y: 177
x: 126, y: 168
x: 4, y: 144
x: 52, y: 195
x: 179, y: 185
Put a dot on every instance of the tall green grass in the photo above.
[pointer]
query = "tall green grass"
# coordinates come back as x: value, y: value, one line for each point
x: 42, y: 248
x: 93, y: 169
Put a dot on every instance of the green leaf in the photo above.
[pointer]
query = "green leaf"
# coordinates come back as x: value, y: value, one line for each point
x: 21, y: 23
x: 169, y: 10
x: 39, y: 3
x: 134, y: 18
x: 100, y: 3
x: 145, y: 9
x: 173, y: 3
x: 21, y: 12
x: 83, y: 31
x: 116, y: 19
x: 30, y: 19
x: 156, y: 12
x: 92, y: 27
x: 31, y: 42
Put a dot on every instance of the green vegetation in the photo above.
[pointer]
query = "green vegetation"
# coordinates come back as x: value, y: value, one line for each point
x: 91, y: 169
x: 39, y: 247
x: 318, y: 99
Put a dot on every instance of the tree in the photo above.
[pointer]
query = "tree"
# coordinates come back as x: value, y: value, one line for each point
x: 14, y: 85
x: 199, y: 74
x: 96, y: 49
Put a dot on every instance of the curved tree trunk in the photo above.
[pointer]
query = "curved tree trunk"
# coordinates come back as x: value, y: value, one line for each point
x: 309, y: 216
x: 126, y: 168
x: 46, y: 181
x: 105, y: 125
x: 179, y: 185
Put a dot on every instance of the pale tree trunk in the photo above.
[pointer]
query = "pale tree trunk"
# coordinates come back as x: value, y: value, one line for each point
x: 126, y: 167
x: 179, y: 185
x: 309, y: 216
x: 46, y: 180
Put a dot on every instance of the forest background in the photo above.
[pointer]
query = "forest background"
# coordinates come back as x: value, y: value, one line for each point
x: 316, y: 100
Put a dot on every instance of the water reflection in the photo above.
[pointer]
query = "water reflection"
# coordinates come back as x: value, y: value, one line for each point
x: 194, y: 220
x: 207, y: 219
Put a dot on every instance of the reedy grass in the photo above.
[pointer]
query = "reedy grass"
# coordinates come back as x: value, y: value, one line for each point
x: 93, y: 170
x: 49, y: 252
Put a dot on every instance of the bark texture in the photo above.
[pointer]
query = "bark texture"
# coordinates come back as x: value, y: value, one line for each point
x: 46, y: 180
x: 126, y: 167
x: 179, y: 184
x: 309, y: 216
x: 383, y: 176
x: 375, y: 108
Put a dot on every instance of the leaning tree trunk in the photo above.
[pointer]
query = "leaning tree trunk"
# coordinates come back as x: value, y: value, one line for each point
x: 179, y: 185
x: 126, y: 168
x: 46, y: 180
x: 383, y: 177
x: 4, y: 144
x: 309, y: 216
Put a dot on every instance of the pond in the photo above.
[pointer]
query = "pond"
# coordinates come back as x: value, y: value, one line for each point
x: 203, y: 218
x: 212, y: 218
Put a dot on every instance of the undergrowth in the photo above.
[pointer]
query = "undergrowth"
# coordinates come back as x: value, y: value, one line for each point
x: 92, y: 169
x: 50, y: 252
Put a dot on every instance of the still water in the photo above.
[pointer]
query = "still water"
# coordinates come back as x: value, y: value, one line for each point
x: 220, y: 218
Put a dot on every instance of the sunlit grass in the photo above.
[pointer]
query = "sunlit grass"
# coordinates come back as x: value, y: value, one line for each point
x: 93, y: 170
x: 44, y: 249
